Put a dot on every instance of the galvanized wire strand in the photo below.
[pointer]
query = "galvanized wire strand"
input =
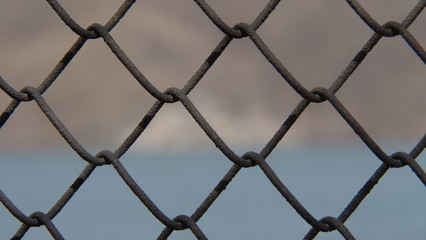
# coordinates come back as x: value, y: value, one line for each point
x: 410, y: 161
x: 56, y: 208
x: 269, y: 55
x: 418, y: 149
x: 129, y: 64
x: 131, y: 183
x: 205, y: 205
x: 15, y: 211
x: 211, y: 133
x: 385, y: 30
x: 291, y: 199
x: 337, y: 84
x: 64, y: 199
x: 131, y: 139
x: 336, y: 224
x: 358, y: 129
x: 74, y: 144
x: 191, y: 224
x: 8, y: 112
x: 215, y: 54
x: 53, y: 75
x: 42, y: 219
x: 174, y: 95
x: 356, y: 201
x: 45, y: 220
x: 415, y: 12
x: 67, y: 19
x: 233, y: 32
x: 412, y: 42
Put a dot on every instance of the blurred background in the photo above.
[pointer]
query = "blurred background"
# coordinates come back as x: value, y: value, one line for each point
x: 242, y: 97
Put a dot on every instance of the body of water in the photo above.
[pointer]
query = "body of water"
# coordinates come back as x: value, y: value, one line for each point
x: 324, y: 179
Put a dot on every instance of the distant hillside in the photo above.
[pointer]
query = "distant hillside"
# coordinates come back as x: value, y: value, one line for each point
x: 242, y: 95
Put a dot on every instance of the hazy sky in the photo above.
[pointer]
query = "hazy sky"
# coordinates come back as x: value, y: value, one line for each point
x: 242, y: 96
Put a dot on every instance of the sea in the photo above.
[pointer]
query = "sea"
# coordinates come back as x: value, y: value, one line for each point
x: 324, y: 178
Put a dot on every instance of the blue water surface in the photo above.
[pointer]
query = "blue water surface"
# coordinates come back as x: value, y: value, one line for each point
x: 323, y: 178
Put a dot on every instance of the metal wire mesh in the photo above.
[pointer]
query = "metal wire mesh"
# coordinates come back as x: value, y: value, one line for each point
x: 174, y: 95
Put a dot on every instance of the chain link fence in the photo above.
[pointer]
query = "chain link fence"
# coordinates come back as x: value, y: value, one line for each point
x: 318, y: 95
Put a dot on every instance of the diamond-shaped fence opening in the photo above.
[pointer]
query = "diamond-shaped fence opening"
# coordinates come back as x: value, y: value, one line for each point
x: 317, y: 194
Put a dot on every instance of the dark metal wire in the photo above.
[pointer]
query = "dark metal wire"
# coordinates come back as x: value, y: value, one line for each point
x: 175, y: 95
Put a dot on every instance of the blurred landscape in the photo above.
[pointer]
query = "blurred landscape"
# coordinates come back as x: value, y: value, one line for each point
x: 320, y: 160
x: 242, y: 96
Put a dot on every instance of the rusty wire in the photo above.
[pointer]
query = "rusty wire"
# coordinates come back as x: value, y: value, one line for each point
x: 179, y: 96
